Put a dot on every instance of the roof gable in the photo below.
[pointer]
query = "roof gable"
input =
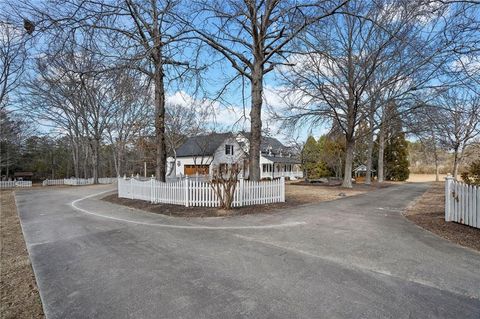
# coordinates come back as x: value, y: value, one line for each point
x: 202, y: 145
x: 267, y: 143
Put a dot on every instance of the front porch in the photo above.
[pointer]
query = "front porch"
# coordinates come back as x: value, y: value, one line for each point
x: 277, y: 170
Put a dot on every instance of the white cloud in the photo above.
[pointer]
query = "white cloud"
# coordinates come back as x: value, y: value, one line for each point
x: 220, y: 117
x: 467, y: 63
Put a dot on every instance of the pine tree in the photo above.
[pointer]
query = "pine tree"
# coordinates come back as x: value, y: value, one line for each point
x: 313, y: 165
x: 396, y: 158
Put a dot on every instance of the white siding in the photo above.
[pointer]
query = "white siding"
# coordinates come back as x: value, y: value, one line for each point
x: 221, y: 158
x: 238, y: 156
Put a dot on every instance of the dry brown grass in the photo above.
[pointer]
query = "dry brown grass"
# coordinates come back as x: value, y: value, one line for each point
x: 429, y: 212
x: 302, y: 193
x: 19, y: 294
x: 422, y: 178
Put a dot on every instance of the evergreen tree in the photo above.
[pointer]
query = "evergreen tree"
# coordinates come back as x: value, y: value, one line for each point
x: 396, y: 158
x: 333, y: 153
x: 396, y: 155
x: 313, y: 166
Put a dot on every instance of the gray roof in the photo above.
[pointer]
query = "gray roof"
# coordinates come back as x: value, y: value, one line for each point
x: 206, y: 145
x: 287, y: 160
x: 202, y: 145
x: 267, y: 142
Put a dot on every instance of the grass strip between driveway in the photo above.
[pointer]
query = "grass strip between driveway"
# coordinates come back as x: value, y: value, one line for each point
x: 18, y: 289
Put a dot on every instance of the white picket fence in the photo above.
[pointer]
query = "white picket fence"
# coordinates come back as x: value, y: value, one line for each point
x: 52, y: 182
x: 462, y: 202
x: 13, y: 184
x: 189, y: 192
x: 107, y: 180
x: 78, y: 181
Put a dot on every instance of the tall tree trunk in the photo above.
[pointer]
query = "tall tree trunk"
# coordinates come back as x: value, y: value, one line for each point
x: 85, y: 161
x: 455, y: 163
x: 95, y: 159
x: 7, y: 167
x: 161, y: 154
x: 435, y: 155
x: 368, y: 177
x: 115, y: 160
x: 347, y: 178
x: 52, y: 163
x: 381, y: 150
x: 256, y: 122
x: 76, y: 158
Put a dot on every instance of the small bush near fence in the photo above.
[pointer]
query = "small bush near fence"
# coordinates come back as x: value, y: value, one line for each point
x: 201, y: 194
x: 472, y: 175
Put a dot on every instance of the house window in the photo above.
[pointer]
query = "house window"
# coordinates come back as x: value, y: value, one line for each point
x: 267, y: 168
x: 228, y: 149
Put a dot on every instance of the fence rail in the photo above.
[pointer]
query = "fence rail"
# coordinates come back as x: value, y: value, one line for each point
x: 14, y: 184
x: 201, y: 194
x: 462, y: 202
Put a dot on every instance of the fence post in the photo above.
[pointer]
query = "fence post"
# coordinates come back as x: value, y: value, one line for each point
x: 448, y: 197
x: 131, y: 188
x: 282, y: 185
x: 152, y: 189
x: 241, y: 191
x: 186, y: 185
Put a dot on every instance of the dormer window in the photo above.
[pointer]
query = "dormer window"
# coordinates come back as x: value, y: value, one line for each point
x: 228, y: 149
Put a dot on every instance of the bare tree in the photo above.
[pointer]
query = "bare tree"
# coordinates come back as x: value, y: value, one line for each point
x: 12, y: 58
x: 183, y: 121
x: 66, y: 95
x: 350, y: 67
x: 253, y: 35
x: 131, y: 111
x: 13, y: 132
x: 50, y: 98
x: 148, y: 36
x: 224, y: 182
x: 458, y: 121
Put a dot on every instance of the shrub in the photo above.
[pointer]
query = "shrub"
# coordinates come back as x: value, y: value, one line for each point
x: 472, y: 175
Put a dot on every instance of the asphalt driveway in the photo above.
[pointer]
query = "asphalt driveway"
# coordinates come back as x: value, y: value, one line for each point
x: 351, y: 258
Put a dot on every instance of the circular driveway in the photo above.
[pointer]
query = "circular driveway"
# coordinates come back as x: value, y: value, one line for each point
x: 356, y: 257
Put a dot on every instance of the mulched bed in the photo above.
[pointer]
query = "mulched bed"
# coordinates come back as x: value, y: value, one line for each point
x: 182, y: 211
x: 429, y: 212
x: 296, y: 194
x: 18, y: 289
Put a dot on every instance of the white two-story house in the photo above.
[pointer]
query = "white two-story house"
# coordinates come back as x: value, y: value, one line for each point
x: 201, y: 154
